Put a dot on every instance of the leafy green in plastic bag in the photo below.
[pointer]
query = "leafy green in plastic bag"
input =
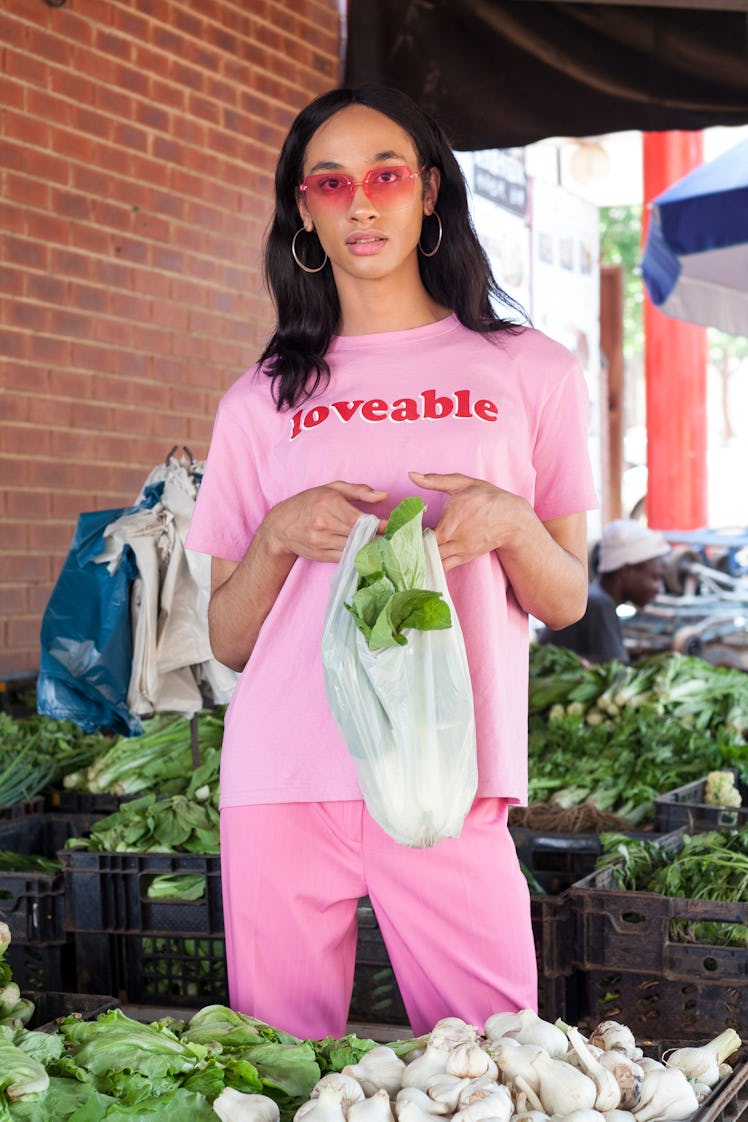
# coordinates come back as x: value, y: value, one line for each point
x: 390, y: 597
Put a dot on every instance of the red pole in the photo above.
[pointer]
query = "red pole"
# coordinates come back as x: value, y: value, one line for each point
x: 675, y: 369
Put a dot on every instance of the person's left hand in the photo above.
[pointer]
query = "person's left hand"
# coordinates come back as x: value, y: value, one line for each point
x: 477, y: 517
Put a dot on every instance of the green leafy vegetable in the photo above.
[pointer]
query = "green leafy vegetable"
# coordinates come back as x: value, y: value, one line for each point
x: 390, y: 597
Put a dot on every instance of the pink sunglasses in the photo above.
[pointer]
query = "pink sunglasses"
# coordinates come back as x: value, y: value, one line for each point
x: 384, y: 187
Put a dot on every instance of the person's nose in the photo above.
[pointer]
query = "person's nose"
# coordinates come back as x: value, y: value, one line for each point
x: 361, y: 206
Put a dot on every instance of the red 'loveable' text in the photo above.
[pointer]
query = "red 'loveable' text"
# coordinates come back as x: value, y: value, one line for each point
x: 428, y: 406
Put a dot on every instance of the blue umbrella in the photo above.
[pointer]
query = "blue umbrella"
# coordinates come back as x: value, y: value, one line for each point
x: 695, y: 262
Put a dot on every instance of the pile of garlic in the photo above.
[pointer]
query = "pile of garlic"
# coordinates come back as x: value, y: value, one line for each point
x: 524, y: 1069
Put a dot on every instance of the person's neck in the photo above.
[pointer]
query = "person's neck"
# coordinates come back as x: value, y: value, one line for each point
x: 374, y: 308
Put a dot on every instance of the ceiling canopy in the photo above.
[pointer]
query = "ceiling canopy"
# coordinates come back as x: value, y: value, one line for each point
x: 502, y: 73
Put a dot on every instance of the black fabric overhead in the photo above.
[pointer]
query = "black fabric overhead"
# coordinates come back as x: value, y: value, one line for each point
x: 500, y: 73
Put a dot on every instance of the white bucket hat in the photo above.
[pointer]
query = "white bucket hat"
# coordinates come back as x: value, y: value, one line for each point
x: 627, y: 542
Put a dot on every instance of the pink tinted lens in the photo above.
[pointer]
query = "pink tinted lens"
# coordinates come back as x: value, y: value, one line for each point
x: 385, y: 186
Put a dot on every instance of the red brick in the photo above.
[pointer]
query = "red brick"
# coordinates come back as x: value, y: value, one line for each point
x: 47, y: 228
x: 46, y: 165
x: 29, y: 317
x: 29, y: 129
x: 25, y: 378
x: 75, y: 445
x: 49, y: 411
x: 17, y: 662
x: 49, y: 537
x: 72, y: 86
x: 13, y: 600
x: 62, y: 321
x: 132, y: 79
x: 11, y: 280
x: 110, y: 43
x: 69, y: 263
x: 130, y: 136
x: 30, y: 192
x: 42, y: 286
x: 23, y: 251
x: 92, y: 239
x: 70, y: 204
x: 24, y: 631
x: 49, y: 45
x: 44, y: 348
x: 29, y: 505
x: 30, y: 70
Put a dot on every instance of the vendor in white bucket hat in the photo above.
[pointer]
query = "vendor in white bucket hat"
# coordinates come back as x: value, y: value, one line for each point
x: 629, y: 563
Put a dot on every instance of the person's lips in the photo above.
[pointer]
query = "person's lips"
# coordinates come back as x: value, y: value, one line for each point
x: 363, y: 243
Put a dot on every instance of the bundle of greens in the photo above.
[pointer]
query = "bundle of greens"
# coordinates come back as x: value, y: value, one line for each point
x: 628, y: 733
x: 176, y: 824
x: 708, y: 866
x: 390, y: 597
x: 38, y: 751
x: 160, y: 759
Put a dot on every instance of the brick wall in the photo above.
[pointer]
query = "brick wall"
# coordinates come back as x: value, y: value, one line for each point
x: 137, y: 144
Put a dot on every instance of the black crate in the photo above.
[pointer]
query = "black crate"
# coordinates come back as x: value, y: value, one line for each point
x: 60, y: 801
x: 108, y: 892
x: 43, y: 833
x: 729, y: 1100
x: 153, y: 969
x: 42, y: 966
x: 376, y: 995
x: 685, y: 807
x: 22, y: 809
x: 24, y: 834
x: 145, y: 951
x: 556, y: 860
x: 50, y: 1007
x: 33, y: 906
x: 557, y: 976
x: 632, y: 969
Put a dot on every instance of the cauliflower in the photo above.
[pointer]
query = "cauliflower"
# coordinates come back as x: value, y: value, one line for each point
x: 721, y: 789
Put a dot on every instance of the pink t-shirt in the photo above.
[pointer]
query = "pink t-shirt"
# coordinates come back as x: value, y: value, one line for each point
x: 510, y: 409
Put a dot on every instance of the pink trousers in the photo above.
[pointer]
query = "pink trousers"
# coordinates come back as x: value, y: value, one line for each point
x: 455, y: 918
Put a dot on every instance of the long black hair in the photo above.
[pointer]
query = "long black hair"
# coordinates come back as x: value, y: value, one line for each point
x: 458, y: 277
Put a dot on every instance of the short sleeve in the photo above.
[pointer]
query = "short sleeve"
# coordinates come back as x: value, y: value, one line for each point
x: 564, y: 480
x: 230, y: 502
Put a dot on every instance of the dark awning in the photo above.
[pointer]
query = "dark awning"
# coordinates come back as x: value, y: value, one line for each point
x: 500, y: 73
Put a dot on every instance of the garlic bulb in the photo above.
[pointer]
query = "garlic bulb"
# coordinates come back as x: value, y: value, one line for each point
x: 612, y: 1034
x: 608, y: 1092
x: 628, y: 1075
x: 619, y: 1116
x: 666, y: 1095
x: 499, y: 1024
x: 450, y: 1031
x: 498, y: 1106
x: 475, y: 1090
x: 419, y: 1072
x: 236, y: 1106
x: 470, y: 1060
x: 562, y: 1087
x: 534, y: 1030
x: 515, y: 1059
x: 701, y: 1065
x: 446, y: 1089
x: 414, y: 1105
x: 326, y: 1106
x: 349, y: 1089
x: 380, y: 1067
x: 376, y: 1108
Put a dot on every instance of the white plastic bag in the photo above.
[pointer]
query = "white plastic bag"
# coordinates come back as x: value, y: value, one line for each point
x: 405, y: 712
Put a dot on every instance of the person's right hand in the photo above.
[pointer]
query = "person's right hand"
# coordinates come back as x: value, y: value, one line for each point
x: 316, y: 523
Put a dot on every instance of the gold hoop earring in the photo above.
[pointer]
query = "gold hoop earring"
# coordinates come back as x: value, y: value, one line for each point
x: 435, y: 250
x: 295, y: 255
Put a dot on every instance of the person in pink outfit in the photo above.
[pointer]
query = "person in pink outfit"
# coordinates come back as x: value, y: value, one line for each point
x: 396, y: 367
